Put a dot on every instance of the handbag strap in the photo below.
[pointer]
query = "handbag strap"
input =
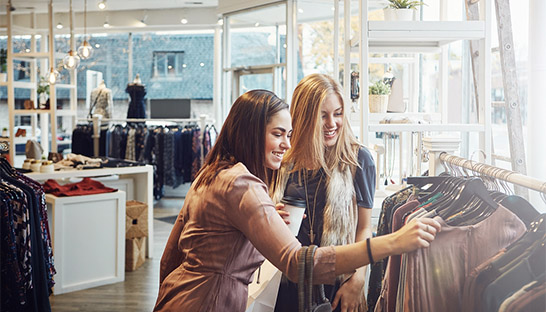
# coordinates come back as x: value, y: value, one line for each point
x: 309, y: 266
x: 302, y: 253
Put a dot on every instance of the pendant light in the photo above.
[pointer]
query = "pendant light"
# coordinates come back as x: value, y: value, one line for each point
x: 53, y: 74
x: 71, y: 60
x: 85, y: 50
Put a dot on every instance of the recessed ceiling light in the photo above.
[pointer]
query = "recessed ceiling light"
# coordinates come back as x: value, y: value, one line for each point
x: 102, y: 5
x: 184, y: 21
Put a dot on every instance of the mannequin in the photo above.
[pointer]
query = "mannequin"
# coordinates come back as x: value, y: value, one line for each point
x: 101, y: 101
x: 137, y: 91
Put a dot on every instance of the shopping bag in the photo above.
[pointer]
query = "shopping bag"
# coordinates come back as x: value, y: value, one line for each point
x: 263, y: 295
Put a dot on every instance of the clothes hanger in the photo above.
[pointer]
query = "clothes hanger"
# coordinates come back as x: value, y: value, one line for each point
x: 469, y: 189
x: 521, y: 208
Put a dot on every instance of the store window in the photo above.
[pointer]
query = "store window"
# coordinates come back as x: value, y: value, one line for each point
x: 168, y: 63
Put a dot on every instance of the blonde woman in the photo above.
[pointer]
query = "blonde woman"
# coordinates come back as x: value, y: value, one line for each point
x: 335, y: 175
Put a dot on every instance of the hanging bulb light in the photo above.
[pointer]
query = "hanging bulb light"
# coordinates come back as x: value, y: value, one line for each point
x: 71, y: 60
x: 85, y: 50
x: 52, y: 76
x: 102, y: 5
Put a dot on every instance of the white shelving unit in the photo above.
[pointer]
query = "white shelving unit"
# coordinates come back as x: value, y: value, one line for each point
x: 38, y: 60
x: 419, y: 37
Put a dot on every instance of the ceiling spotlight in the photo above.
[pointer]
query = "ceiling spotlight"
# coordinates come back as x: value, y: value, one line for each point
x: 300, y: 10
x: 184, y: 21
x: 257, y: 24
x: 201, y: 64
x: 60, y: 26
x: 220, y: 21
x: 97, y: 45
x: 106, y: 24
x: 184, y: 65
x: 102, y: 4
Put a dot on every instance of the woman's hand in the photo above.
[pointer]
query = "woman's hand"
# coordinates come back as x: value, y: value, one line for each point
x: 418, y: 233
x: 348, y: 295
x: 284, y: 214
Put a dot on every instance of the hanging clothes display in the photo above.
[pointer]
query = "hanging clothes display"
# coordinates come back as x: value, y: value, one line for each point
x: 26, y: 255
x: 101, y: 101
x: 137, y: 106
x: 174, y: 151
x: 477, y: 231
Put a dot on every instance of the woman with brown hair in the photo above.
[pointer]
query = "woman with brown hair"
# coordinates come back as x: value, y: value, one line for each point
x: 328, y: 168
x: 228, y: 223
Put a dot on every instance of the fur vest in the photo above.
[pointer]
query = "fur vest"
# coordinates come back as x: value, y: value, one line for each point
x: 340, y: 212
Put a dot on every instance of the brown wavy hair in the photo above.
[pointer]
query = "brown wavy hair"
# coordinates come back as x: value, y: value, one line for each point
x: 242, y: 138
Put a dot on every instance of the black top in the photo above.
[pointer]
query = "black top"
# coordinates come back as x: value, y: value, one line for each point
x: 364, y: 184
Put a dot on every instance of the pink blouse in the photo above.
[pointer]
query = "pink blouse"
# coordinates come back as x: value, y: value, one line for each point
x: 218, y: 241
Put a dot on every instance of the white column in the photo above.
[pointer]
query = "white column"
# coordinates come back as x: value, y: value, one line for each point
x: 536, y: 105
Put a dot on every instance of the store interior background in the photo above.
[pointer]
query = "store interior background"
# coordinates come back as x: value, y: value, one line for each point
x: 179, y: 50
x: 129, y: 36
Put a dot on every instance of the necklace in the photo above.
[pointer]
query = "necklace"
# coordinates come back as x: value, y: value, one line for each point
x: 313, y: 215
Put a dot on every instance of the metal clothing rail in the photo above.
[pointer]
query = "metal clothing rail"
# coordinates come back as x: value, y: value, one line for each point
x: 498, y: 173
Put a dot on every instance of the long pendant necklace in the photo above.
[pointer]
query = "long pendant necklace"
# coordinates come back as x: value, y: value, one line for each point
x: 312, y: 216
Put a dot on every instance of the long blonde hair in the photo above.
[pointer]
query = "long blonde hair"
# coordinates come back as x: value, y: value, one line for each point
x: 308, y: 149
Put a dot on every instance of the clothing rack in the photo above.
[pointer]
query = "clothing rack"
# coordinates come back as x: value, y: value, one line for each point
x: 495, y: 172
x: 97, y: 120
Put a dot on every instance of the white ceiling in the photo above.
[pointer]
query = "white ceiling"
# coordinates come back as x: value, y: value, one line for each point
x: 40, y: 6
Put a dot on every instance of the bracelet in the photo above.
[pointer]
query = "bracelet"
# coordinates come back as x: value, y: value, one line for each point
x: 369, y: 251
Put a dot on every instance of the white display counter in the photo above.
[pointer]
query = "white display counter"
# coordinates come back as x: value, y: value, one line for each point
x: 142, y: 177
x: 88, y: 240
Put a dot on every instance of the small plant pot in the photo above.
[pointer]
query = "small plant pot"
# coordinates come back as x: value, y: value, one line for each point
x: 398, y: 14
x: 378, y: 103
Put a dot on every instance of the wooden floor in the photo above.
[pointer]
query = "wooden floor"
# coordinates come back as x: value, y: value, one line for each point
x: 139, y: 290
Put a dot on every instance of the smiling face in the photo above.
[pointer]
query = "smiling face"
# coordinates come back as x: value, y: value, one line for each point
x: 332, y: 119
x: 277, y: 138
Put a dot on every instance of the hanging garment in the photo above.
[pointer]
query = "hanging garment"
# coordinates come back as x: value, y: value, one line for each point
x: 431, y: 276
x: 137, y: 107
x: 26, y: 255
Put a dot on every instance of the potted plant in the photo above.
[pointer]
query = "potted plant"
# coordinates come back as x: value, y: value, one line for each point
x: 3, y: 65
x: 378, y: 97
x: 43, y: 92
x: 401, y: 10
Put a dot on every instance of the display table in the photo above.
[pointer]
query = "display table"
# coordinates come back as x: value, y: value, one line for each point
x: 88, y: 240
x: 143, y: 187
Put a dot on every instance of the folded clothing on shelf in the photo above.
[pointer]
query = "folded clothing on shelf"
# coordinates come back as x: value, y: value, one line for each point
x: 87, y: 186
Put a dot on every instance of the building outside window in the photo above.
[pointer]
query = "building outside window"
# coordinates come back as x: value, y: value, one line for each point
x: 168, y: 63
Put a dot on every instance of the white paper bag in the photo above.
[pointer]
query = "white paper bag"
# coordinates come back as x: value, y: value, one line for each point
x: 262, y: 296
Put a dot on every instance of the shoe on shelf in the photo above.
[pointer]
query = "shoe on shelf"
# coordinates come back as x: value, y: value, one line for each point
x: 21, y: 132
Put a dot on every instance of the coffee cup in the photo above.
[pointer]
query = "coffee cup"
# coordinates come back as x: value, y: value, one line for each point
x: 296, y: 208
